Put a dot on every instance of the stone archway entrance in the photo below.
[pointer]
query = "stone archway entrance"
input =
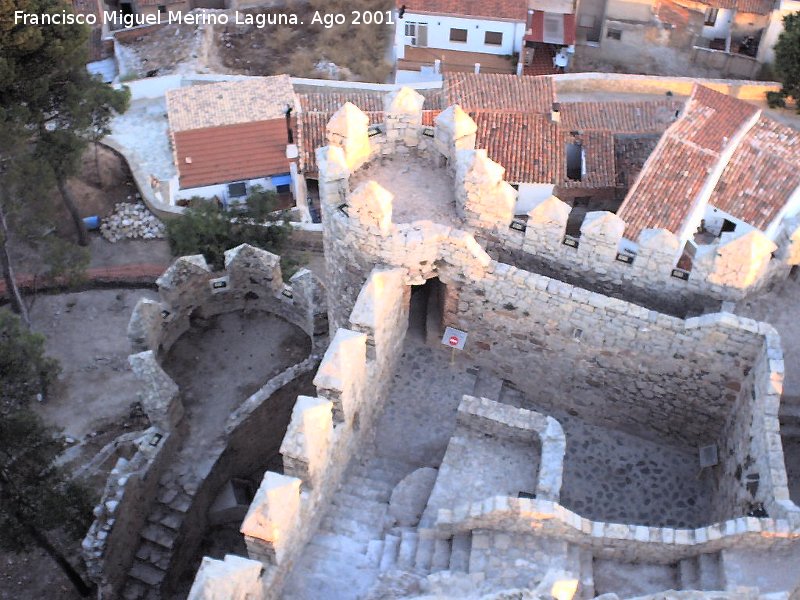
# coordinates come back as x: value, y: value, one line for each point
x: 425, y: 315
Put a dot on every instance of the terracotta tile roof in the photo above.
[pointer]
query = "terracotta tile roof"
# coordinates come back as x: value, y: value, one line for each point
x: 762, y: 174
x: 526, y: 144
x: 711, y: 119
x: 665, y: 192
x: 230, y: 102
x: 598, y: 147
x: 330, y: 102
x: 311, y: 126
x: 620, y: 117
x: 489, y: 9
x: 499, y: 92
x: 231, y: 152
x: 758, y: 7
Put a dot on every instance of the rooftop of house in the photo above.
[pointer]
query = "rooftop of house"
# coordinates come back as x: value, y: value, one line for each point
x: 228, y: 153
x: 494, y: 9
x: 230, y: 102
x: 669, y: 186
x: 509, y: 93
x: 762, y: 175
x: 757, y: 7
x: 318, y: 108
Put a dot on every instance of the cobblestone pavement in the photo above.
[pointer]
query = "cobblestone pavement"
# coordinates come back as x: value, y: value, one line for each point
x: 419, y: 418
x: 621, y: 478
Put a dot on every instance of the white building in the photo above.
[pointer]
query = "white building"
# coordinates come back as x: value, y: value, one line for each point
x: 487, y: 33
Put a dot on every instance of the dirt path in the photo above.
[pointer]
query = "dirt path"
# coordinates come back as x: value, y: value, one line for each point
x: 87, y: 333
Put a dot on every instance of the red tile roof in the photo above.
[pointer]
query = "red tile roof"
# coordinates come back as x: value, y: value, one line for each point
x: 762, y: 174
x: 317, y: 110
x: 668, y: 186
x: 758, y: 7
x: 516, y: 10
x: 711, y: 119
x: 526, y: 144
x: 499, y: 92
x: 621, y: 117
x: 231, y: 152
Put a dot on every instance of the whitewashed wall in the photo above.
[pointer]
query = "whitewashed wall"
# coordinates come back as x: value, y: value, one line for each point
x: 439, y: 34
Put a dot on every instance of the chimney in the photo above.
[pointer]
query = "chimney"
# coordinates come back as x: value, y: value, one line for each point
x: 555, y: 113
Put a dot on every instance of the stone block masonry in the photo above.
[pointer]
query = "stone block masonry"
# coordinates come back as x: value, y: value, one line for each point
x: 740, y: 264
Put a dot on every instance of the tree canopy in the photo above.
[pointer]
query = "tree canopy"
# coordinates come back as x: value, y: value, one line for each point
x: 25, y: 370
x: 209, y: 230
x: 787, y: 57
x: 36, y: 495
x: 50, y: 109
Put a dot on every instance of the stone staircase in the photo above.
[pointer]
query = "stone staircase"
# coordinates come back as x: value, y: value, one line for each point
x: 157, y: 540
x: 702, y: 572
x: 419, y: 551
x: 339, y: 560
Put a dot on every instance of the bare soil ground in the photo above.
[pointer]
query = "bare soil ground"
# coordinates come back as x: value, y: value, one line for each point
x: 304, y: 49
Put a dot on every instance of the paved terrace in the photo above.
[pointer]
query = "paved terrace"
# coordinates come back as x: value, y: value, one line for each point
x: 421, y: 190
x: 608, y: 476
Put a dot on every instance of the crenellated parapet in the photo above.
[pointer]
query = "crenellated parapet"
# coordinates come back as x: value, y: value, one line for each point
x: 326, y: 430
x: 656, y: 265
x: 251, y: 280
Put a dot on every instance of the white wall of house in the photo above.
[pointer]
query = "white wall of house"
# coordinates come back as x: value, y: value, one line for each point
x: 766, y: 50
x: 721, y: 26
x: 219, y: 190
x: 439, y: 34
x: 714, y: 218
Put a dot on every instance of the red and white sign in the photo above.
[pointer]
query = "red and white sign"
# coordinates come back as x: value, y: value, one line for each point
x: 455, y: 338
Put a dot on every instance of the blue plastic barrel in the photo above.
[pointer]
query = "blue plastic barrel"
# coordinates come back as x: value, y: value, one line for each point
x: 92, y: 222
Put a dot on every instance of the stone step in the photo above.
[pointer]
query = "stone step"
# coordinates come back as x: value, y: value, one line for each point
x: 160, y: 535
x: 371, y: 489
x: 459, y: 554
x: 134, y: 590
x: 441, y: 555
x: 710, y: 572
x: 426, y: 544
x: 350, y: 528
x: 391, y: 543
x: 153, y: 554
x: 688, y: 573
x: 338, y: 543
x: 407, y: 550
x: 374, y: 552
x: 147, y: 573
x: 371, y: 513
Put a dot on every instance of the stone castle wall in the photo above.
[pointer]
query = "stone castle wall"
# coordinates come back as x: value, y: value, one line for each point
x: 643, y: 270
x: 326, y: 431
x: 708, y: 379
x: 189, y: 289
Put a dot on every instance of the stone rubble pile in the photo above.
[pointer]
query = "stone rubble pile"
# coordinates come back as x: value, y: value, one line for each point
x: 131, y: 220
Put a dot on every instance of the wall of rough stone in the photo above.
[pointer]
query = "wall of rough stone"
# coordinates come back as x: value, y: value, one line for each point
x: 251, y: 280
x: 627, y: 543
x: 612, y: 361
x: 113, y: 537
x: 254, y: 433
x: 640, y: 270
x: 189, y: 289
x: 605, y: 360
x: 327, y: 430
x: 737, y: 266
